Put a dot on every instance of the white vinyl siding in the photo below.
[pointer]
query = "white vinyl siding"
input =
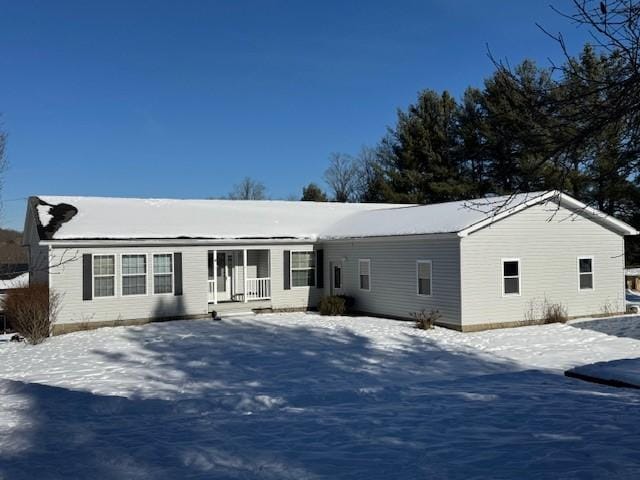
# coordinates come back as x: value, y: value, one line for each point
x: 585, y: 273
x: 303, y: 269
x: 543, y: 237
x: 510, y: 276
x: 133, y: 270
x: 163, y: 273
x: 364, y: 274
x: 423, y: 274
x: 393, y: 274
x: 104, y: 276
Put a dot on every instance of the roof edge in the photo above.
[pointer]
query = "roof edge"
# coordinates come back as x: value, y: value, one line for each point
x: 613, y: 222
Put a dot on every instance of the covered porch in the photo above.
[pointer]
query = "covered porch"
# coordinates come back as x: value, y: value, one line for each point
x: 239, y: 276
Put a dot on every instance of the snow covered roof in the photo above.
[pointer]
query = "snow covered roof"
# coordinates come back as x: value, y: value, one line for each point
x: 449, y: 217
x: 134, y: 218
x: 76, y: 218
x: 21, y: 280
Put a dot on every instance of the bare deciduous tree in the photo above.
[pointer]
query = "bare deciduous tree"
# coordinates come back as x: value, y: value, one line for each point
x: 368, y: 171
x: 248, y: 189
x: 342, y: 177
x: 3, y: 165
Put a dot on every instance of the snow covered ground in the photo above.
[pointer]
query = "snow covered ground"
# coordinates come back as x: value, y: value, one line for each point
x: 303, y: 396
x: 625, y: 372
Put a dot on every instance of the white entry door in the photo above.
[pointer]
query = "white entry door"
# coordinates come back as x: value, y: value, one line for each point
x: 223, y: 276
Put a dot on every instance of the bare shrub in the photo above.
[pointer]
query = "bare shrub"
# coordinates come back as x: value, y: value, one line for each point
x: 610, y: 308
x: 545, y: 311
x: 333, y: 305
x: 32, y: 311
x: 424, y: 320
x: 531, y: 314
x: 554, y: 313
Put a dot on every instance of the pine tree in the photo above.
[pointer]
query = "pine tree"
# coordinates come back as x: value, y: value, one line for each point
x: 421, y: 154
x: 313, y: 193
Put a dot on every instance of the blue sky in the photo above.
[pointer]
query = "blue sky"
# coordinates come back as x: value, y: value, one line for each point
x: 183, y: 99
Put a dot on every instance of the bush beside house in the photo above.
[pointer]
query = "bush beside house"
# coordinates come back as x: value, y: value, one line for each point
x: 32, y: 311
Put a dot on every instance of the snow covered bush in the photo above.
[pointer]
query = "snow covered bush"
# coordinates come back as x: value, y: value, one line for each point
x: 424, y: 320
x: 32, y: 311
x: 333, y: 305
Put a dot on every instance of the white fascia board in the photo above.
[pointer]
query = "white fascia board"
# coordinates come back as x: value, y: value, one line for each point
x: 614, y: 223
x: 505, y: 213
x: 608, y: 219
x: 173, y: 241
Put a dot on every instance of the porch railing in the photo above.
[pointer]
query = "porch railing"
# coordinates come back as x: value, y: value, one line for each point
x: 212, y: 288
x: 258, y: 288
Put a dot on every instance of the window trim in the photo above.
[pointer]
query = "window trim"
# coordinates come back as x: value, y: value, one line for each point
x: 153, y: 273
x: 502, y: 277
x: 146, y: 275
x: 368, y: 261
x: 93, y: 276
x: 426, y: 262
x: 291, y: 269
x: 592, y: 273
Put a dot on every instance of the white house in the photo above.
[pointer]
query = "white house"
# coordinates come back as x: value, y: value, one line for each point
x: 481, y: 263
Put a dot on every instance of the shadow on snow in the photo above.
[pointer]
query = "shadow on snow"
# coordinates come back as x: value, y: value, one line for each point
x: 627, y: 326
x: 241, y: 399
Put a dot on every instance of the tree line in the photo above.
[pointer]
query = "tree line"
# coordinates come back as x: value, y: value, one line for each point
x: 494, y: 141
x: 573, y: 127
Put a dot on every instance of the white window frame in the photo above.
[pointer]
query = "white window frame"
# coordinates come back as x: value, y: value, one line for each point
x: 146, y: 275
x: 592, y: 273
x: 153, y: 272
x: 93, y: 276
x: 503, y: 277
x: 291, y: 269
x: 368, y: 262
x: 424, y: 262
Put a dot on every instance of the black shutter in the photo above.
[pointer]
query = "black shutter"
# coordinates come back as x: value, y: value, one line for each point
x: 87, y: 274
x: 286, y: 269
x: 320, y: 268
x: 177, y: 273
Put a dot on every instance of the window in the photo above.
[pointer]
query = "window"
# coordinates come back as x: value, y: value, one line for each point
x: 303, y: 269
x: 511, y: 277
x: 337, y: 277
x: 585, y: 273
x: 163, y: 273
x: 364, y: 270
x: 423, y: 268
x: 134, y: 274
x: 104, y: 275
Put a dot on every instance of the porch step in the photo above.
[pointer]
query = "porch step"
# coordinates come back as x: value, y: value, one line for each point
x: 239, y: 307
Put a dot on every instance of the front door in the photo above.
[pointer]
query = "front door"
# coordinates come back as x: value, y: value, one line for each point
x: 223, y: 276
x: 336, y: 278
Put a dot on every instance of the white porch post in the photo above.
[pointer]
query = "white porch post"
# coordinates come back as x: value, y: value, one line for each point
x: 244, y: 266
x: 215, y: 277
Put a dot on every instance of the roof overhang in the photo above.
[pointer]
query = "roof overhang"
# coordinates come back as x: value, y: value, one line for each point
x: 122, y: 242
x: 607, y: 220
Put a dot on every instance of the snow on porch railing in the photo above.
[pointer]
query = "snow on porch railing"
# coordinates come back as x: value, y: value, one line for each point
x: 258, y: 288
